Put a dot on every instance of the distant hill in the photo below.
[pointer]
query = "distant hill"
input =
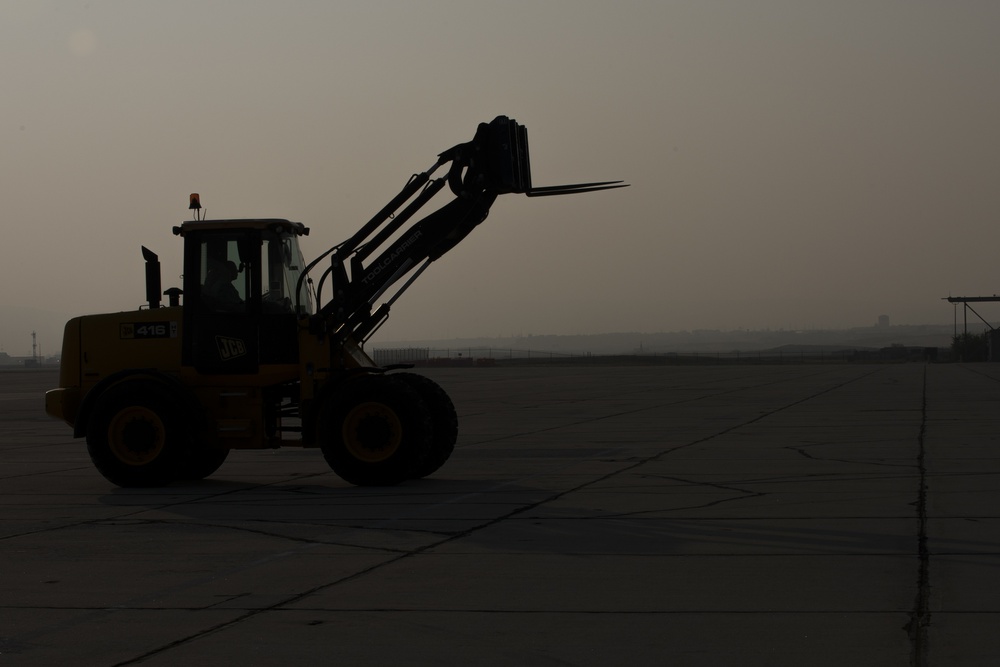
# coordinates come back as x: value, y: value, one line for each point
x: 861, y: 338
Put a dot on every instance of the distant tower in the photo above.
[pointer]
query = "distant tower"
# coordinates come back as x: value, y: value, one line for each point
x: 883, y: 321
x: 34, y: 348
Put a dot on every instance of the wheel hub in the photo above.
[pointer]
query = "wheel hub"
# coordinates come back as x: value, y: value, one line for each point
x: 372, y: 432
x: 136, y: 435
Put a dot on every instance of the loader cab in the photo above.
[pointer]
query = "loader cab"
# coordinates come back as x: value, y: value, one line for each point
x: 240, y: 278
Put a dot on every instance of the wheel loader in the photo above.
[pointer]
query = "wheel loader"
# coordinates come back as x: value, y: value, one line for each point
x: 259, y: 349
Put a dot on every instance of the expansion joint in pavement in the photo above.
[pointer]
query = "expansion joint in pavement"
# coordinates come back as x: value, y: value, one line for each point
x: 920, y: 618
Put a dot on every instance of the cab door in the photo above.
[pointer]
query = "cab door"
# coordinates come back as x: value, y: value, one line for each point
x: 280, y: 264
x: 222, y: 302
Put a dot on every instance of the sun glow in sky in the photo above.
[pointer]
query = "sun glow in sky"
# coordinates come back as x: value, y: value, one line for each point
x: 793, y: 163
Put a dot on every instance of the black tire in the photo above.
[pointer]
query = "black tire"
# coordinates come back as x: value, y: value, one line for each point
x: 444, y: 422
x: 200, y: 461
x: 374, y: 430
x: 136, y: 435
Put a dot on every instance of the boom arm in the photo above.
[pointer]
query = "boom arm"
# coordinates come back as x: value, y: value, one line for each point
x: 495, y: 162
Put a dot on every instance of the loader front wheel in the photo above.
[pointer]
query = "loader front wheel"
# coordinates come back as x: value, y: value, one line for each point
x: 136, y: 434
x: 444, y: 422
x: 374, y: 431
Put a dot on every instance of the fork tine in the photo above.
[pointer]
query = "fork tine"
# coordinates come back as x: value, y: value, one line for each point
x: 570, y: 189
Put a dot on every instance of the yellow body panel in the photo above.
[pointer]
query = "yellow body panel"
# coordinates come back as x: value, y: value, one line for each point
x: 137, y: 339
x: 63, y: 403
x: 96, y: 347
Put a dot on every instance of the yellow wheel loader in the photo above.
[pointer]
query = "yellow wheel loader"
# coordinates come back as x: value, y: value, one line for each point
x: 262, y: 355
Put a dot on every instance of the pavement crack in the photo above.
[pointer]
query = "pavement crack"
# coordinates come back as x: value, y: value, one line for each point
x: 802, y: 451
x: 920, y: 617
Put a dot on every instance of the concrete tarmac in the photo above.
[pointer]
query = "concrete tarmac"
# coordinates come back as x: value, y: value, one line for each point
x: 721, y: 515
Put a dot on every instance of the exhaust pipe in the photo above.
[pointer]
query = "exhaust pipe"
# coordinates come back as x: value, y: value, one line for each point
x: 152, y: 277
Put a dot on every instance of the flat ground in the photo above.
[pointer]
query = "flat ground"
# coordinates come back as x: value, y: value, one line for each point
x: 753, y: 515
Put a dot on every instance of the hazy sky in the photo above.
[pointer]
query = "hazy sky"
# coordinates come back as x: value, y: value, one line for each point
x: 794, y: 163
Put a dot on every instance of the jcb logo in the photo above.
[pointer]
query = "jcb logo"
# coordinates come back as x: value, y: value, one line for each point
x: 230, y: 348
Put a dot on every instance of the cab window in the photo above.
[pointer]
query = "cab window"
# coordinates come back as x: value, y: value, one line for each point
x: 224, y: 276
x: 281, y: 267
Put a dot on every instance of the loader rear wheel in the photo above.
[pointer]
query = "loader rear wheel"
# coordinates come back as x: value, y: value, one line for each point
x: 374, y: 431
x: 136, y: 434
x: 444, y: 422
x: 201, y: 461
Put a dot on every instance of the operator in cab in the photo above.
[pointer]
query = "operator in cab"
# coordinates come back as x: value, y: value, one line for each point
x: 219, y: 291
